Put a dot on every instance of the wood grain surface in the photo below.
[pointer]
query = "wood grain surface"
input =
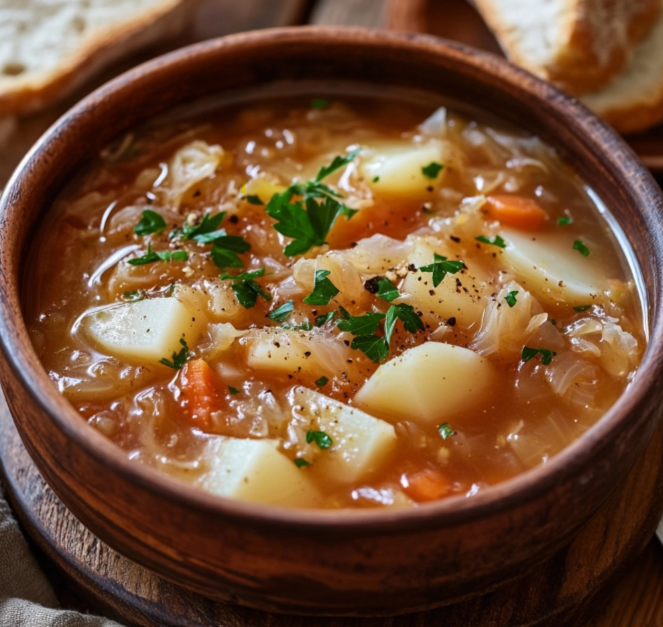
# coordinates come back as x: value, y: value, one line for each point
x: 89, y: 573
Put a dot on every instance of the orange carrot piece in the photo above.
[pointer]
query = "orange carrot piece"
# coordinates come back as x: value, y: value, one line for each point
x: 200, y: 396
x: 425, y: 485
x: 516, y: 211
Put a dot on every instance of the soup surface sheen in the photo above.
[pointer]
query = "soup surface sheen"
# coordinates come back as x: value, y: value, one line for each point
x: 334, y: 303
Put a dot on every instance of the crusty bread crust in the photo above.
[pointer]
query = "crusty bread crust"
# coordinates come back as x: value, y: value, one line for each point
x: 594, y: 43
x: 36, y: 90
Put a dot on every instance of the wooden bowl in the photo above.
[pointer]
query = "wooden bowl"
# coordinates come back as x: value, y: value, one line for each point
x: 327, y: 562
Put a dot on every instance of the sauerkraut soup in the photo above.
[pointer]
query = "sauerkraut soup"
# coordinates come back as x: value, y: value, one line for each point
x: 334, y: 302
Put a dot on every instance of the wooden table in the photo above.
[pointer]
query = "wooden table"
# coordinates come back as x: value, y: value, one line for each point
x: 638, y: 601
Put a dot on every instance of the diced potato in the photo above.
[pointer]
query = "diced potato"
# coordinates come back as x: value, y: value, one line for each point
x: 361, y: 444
x: 255, y: 471
x: 428, y: 384
x: 465, y: 301
x: 398, y: 168
x: 303, y: 354
x: 547, y: 266
x: 146, y: 331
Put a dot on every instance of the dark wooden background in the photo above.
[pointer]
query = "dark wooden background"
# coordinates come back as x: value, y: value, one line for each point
x: 638, y: 600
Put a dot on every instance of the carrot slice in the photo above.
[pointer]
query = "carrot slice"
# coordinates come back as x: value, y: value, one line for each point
x: 425, y: 485
x: 200, y: 396
x: 516, y: 211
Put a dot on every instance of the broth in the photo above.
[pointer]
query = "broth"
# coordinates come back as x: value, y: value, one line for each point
x: 470, y: 313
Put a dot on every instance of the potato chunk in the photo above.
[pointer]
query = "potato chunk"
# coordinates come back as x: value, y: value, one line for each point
x: 461, y: 296
x: 255, y: 471
x: 396, y: 169
x: 428, y: 384
x: 547, y: 266
x: 146, y: 331
x: 361, y: 444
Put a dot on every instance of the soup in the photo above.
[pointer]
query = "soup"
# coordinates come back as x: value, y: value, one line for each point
x: 334, y: 302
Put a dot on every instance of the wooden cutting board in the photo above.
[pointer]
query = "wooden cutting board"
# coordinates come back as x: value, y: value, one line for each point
x: 458, y: 20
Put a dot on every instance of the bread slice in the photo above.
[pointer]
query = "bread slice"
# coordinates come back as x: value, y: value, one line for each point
x: 633, y: 102
x: 50, y: 47
x: 578, y: 44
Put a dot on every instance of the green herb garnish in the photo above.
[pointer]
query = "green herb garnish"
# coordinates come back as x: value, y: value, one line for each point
x: 320, y: 320
x: 319, y: 437
x: 233, y: 390
x: 246, y: 288
x: 361, y: 325
x: 373, y: 346
x: 254, y: 200
x: 510, y: 298
x: 445, y: 430
x: 386, y: 290
x: 581, y: 248
x: 322, y: 381
x: 309, y: 220
x: 529, y: 353
x: 165, y: 255
x: 376, y: 179
x: 282, y: 312
x: 323, y: 289
x: 497, y: 241
x: 134, y: 297
x: 582, y: 308
x: 440, y: 267
x: 553, y: 322
x: 301, y: 463
x: 178, y: 359
x: 319, y: 103
x: 564, y: 220
x: 432, y: 170
x: 150, y: 222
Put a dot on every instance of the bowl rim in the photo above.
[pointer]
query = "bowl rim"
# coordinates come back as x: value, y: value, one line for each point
x: 522, y: 488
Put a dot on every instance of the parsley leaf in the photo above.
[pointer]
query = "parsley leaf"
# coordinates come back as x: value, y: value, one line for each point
x: 150, y: 222
x: 376, y: 179
x: 445, y: 430
x: 322, y: 381
x: 529, y: 353
x: 407, y: 315
x: 301, y: 463
x: 497, y: 241
x: 208, y: 224
x: 582, y: 308
x: 233, y: 390
x: 324, y: 318
x: 581, y: 248
x: 432, y: 170
x: 338, y: 162
x: 373, y: 346
x: 510, y: 298
x: 319, y: 437
x: 306, y: 326
x: 386, y: 290
x: 152, y: 256
x: 245, y: 287
x: 440, y: 267
x: 179, y: 359
x: 361, y: 325
x: 564, y: 220
x: 254, y: 199
x: 223, y: 258
x: 323, y: 289
x: 134, y: 297
x: 319, y: 103
x: 282, y: 312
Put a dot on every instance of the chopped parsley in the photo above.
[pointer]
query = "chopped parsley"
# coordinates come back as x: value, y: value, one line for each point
x: 253, y: 199
x: 373, y: 346
x: 134, y: 297
x: 386, y: 290
x: 564, y: 220
x: 529, y: 353
x: 361, y: 325
x: 510, y: 298
x: 150, y: 222
x: 322, y: 381
x: 209, y: 224
x: 324, y: 318
x: 233, y: 390
x: 582, y: 308
x: 319, y: 103
x: 441, y: 266
x: 306, y: 326
x: 581, y: 248
x: 246, y: 288
x: 301, y: 463
x: 282, y: 312
x: 376, y: 179
x: 432, y: 170
x: 497, y: 241
x: 319, y: 437
x: 323, y: 289
x: 406, y: 314
x: 178, y: 359
x: 445, y: 430
x: 309, y: 220
x: 165, y: 255
x: 553, y: 322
